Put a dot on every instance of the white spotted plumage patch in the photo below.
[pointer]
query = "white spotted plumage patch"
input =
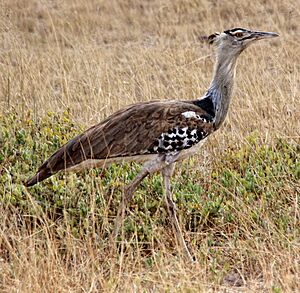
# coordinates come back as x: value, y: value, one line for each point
x: 189, y: 114
x: 192, y: 114
x: 177, y: 139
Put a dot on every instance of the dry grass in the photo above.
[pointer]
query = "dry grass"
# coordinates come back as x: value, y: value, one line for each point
x: 94, y: 57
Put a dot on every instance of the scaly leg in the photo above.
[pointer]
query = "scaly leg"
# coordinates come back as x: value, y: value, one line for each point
x: 150, y: 167
x: 128, y: 194
x: 171, y: 209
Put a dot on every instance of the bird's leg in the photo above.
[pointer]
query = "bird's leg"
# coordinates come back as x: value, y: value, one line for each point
x: 149, y: 168
x: 128, y: 193
x: 171, y: 209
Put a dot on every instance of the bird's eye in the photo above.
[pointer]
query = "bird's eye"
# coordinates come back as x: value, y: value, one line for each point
x: 239, y: 35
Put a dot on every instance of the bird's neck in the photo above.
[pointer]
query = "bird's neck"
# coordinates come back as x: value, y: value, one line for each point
x: 220, y: 89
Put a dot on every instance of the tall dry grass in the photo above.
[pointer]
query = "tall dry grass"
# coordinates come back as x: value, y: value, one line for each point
x: 94, y: 57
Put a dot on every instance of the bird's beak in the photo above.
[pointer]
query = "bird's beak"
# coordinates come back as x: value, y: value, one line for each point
x: 264, y: 35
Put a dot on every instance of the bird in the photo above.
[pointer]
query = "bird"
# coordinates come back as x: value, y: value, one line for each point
x: 158, y: 133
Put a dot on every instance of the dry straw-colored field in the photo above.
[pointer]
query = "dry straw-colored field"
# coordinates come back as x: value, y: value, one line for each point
x: 92, y: 57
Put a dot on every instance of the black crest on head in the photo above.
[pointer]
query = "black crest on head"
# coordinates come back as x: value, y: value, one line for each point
x: 212, y: 38
x: 209, y: 39
x: 234, y: 30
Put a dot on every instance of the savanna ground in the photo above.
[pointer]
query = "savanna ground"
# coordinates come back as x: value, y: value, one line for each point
x: 66, y: 65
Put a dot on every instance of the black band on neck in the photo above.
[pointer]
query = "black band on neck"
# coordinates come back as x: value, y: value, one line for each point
x: 207, y: 105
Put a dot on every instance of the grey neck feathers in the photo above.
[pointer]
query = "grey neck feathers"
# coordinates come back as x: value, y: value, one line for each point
x: 221, y: 86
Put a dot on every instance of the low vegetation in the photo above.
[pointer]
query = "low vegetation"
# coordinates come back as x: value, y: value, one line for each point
x: 242, y: 206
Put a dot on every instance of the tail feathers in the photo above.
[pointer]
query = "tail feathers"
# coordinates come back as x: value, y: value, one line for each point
x: 41, y: 175
x: 71, y: 154
x: 60, y: 160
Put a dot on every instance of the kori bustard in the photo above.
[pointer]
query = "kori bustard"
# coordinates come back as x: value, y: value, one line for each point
x: 159, y: 133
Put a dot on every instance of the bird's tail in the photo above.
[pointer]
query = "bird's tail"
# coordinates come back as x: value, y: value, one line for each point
x: 72, y: 153
x: 43, y: 173
x: 67, y: 156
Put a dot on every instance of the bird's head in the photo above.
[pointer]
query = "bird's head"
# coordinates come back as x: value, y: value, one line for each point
x: 234, y: 41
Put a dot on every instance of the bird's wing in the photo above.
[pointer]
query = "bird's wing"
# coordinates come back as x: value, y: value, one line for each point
x: 144, y: 128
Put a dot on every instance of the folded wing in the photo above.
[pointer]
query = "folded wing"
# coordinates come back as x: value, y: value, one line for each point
x: 140, y: 129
